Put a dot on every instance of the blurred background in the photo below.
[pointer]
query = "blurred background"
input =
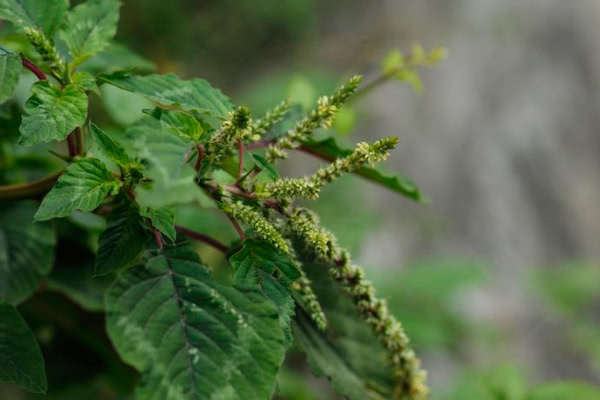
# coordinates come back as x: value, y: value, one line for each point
x: 497, y: 278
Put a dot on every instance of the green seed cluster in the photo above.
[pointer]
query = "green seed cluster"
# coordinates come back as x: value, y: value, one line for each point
x: 46, y: 49
x: 304, y: 288
x: 258, y: 223
x: 234, y: 128
x: 321, y: 116
x: 261, y: 126
x: 310, y: 187
x: 374, y: 311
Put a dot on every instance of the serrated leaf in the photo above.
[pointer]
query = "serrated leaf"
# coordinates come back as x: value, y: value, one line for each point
x: 52, y: 113
x: 265, y: 165
x: 21, y: 360
x: 565, y: 390
x: 171, y: 91
x: 90, y: 27
x: 190, y: 336
x: 179, y: 122
x: 163, y: 219
x: 26, y: 251
x: 122, y: 240
x: 85, y: 81
x: 45, y: 14
x: 10, y: 70
x: 348, y: 353
x: 83, y: 186
x: 109, y: 146
x: 328, y: 149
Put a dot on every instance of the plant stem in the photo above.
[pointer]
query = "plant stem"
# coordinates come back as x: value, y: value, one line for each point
x: 158, y: 238
x: 198, y: 165
x: 237, y: 227
x: 29, y: 190
x: 241, y: 159
x: 33, y: 68
x: 259, y: 145
x: 202, y: 238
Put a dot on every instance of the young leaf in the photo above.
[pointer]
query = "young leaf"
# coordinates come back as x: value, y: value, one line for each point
x: 47, y: 14
x: 328, y: 149
x: 26, y: 251
x: 90, y: 27
x: 10, y: 70
x: 52, y: 113
x: 265, y: 165
x: 190, y: 336
x: 85, y: 81
x: 122, y: 240
x: 179, y: 122
x: 109, y: 147
x: 162, y: 218
x: 83, y: 186
x: 171, y: 91
x: 21, y: 360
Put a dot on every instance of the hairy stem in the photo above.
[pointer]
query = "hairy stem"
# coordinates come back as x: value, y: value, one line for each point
x: 33, y: 68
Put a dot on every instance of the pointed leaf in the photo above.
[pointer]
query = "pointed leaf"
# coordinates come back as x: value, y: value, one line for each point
x: 52, y: 113
x: 90, y: 27
x: 26, y: 251
x: 169, y: 90
x: 163, y: 219
x: 109, y: 147
x: 122, y: 240
x: 83, y: 186
x: 21, y: 360
x: 329, y: 150
x: 45, y: 14
x: 86, y: 82
x: 190, y: 336
x: 265, y: 165
x: 179, y: 122
x: 10, y: 70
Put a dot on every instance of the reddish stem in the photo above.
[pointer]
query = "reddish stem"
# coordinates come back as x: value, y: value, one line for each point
x: 237, y: 227
x: 33, y: 68
x: 72, y: 145
x: 259, y: 145
x: 202, y: 238
x: 158, y: 238
x: 200, y: 158
x: 241, y: 159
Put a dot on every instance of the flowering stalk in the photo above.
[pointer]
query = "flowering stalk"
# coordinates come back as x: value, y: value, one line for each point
x: 236, y: 127
x: 47, y: 50
x: 263, y: 125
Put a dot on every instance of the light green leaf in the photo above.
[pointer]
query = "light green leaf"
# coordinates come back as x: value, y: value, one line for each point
x: 26, y: 251
x: 122, y: 240
x: 258, y: 263
x: 45, y: 14
x: 171, y: 91
x: 190, y: 336
x: 10, y: 70
x: 163, y: 219
x: 348, y: 353
x: 328, y: 149
x: 179, y: 122
x: 90, y: 27
x: 83, y: 186
x: 21, y: 360
x: 109, y: 147
x: 117, y: 57
x: 265, y: 165
x: 565, y: 390
x: 122, y: 106
x: 85, y: 81
x: 52, y: 113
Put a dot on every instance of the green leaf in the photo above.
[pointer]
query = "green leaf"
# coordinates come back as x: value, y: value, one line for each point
x: 90, y: 27
x: 108, y: 146
x: 330, y: 150
x: 259, y: 263
x: 348, y: 353
x: 10, y: 70
x: 52, y: 113
x: 171, y: 91
x: 179, y: 122
x: 26, y: 251
x: 86, y: 81
x: 565, y: 390
x: 162, y: 218
x: 122, y: 240
x: 83, y: 186
x: 45, y: 14
x: 190, y: 336
x: 265, y: 165
x: 21, y: 360
x: 117, y: 57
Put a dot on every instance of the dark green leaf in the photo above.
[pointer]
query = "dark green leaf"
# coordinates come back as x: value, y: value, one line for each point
x: 43, y: 14
x: 10, y: 70
x: 117, y: 57
x: 162, y: 218
x: 108, y: 146
x: 21, y: 360
x: 328, y: 149
x: 26, y: 251
x: 122, y: 240
x: 90, y: 27
x: 190, y: 336
x: 265, y: 165
x: 52, y: 113
x: 168, y: 90
x: 83, y: 186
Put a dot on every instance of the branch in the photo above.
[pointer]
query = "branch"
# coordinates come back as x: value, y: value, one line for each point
x: 29, y: 190
x: 33, y: 68
x: 202, y: 238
